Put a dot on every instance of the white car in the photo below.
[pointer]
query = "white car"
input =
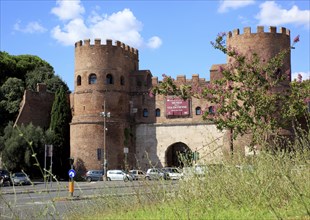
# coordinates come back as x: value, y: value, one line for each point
x: 195, y: 171
x: 118, y: 175
x: 174, y: 173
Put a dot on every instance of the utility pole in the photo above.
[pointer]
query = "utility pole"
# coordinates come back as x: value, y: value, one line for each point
x: 104, y: 114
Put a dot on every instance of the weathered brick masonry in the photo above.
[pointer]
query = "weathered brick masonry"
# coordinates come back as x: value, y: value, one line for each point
x: 155, y: 139
x: 109, y: 73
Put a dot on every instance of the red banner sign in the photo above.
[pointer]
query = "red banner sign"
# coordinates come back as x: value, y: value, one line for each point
x: 177, y: 106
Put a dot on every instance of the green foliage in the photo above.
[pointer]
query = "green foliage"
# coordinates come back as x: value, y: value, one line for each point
x: 18, y: 73
x: 59, y: 126
x: 61, y: 113
x: 12, y: 92
x: 298, y: 99
x: 18, y: 66
x: 16, y: 149
x: 46, y: 75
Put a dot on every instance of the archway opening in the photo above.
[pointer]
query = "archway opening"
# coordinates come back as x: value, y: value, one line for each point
x: 178, y: 155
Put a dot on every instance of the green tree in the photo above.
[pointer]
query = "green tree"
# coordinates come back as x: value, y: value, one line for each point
x: 20, y: 146
x: 12, y: 92
x: 18, y: 66
x: 45, y: 75
x: 59, y: 126
x: 18, y: 73
x: 299, y: 98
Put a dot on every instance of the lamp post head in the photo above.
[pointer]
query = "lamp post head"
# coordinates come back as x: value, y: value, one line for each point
x: 105, y: 114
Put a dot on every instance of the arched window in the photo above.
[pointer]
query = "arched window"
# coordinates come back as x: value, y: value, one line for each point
x: 198, y: 111
x: 92, y: 79
x: 157, y: 112
x: 211, y: 110
x: 122, y: 80
x: 145, y: 113
x: 109, y: 79
x: 78, y: 80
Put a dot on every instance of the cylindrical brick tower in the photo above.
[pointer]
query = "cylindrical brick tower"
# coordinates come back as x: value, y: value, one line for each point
x: 265, y: 44
x: 102, y: 75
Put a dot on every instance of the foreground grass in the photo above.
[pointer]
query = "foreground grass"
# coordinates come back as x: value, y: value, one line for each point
x: 269, y: 186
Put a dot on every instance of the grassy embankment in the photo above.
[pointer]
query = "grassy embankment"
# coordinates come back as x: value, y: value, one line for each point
x: 269, y: 186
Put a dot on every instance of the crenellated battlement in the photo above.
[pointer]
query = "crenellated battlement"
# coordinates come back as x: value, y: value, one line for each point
x: 181, y: 79
x: 97, y: 43
x: 260, y: 30
x: 266, y: 44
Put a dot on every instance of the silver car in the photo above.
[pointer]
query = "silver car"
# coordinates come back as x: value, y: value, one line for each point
x: 156, y: 174
x: 20, y: 178
x: 93, y: 175
x: 174, y: 173
x: 119, y: 175
x: 137, y: 174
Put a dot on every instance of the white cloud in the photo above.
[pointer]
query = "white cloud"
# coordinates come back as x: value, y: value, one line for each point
x: 74, y: 31
x: 154, y: 42
x: 272, y: 14
x: 244, y: 20
x: 31, y: 27
x: 305, y: 75
x: 121, y: 25
x: 68, y: 9
x: 225, y: 5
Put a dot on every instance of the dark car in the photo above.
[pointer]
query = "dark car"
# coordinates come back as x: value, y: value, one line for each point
x: 20, y: 178
x: 5, y: 178
x: 93, y: 175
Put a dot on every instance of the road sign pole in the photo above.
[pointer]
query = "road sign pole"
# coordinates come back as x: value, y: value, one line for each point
x: 71, y: 187
x: 71, y: 175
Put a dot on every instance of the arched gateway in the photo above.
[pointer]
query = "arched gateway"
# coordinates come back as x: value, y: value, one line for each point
x: 176, y: 154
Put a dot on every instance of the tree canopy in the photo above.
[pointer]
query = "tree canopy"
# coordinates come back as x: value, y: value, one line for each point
x: 18, y: 73
x: 19, y: 148
x: 22, y: 148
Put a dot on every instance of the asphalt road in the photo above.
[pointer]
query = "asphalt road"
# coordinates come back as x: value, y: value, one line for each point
x: 54, y: 201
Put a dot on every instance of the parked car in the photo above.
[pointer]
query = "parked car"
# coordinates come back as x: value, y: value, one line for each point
x: 93, y: 175
x: 197, y: 170
x: 20, y: 178
x: 5, y: 178
x: 156, y: 174
x: 137, y: 174
x: 119, y: 175
x: 173, y: 172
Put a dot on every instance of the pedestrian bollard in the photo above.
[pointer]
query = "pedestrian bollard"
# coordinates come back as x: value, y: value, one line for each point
x: 71, y: 187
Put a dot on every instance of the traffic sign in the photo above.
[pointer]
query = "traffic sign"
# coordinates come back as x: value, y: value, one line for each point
x: 71, y: 173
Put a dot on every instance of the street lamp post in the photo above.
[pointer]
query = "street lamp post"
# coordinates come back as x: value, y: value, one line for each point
x: 126, y: 151
x: 104, y: 114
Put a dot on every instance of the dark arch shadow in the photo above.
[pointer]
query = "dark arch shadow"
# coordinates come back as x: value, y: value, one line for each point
x: 178, y: 155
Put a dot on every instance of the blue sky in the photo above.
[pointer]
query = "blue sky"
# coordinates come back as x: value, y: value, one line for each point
x: 173, y: 37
